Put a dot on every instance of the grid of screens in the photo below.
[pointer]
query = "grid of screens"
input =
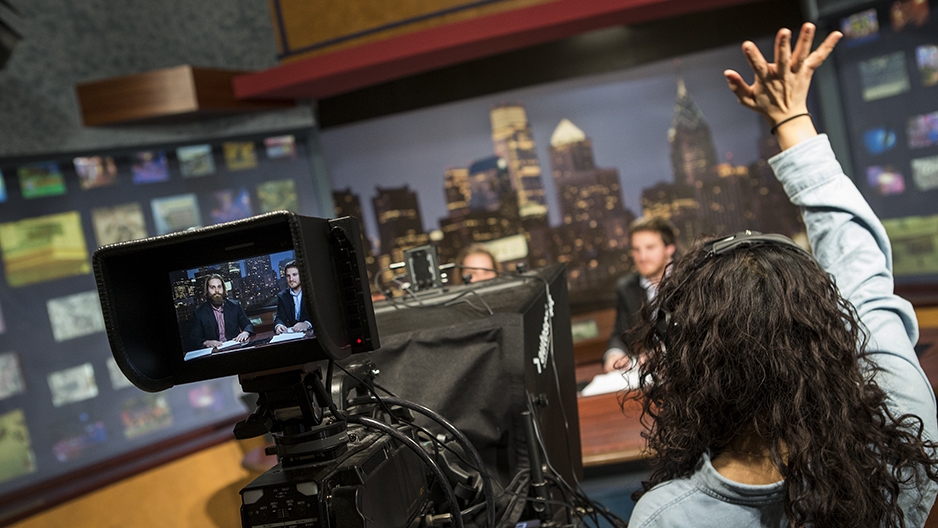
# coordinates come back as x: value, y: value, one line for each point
x: 64, y: 404
x: 887, y: 69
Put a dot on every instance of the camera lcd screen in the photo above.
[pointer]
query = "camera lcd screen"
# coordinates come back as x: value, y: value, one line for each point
x: 166, y: 328
x: 239, y: 305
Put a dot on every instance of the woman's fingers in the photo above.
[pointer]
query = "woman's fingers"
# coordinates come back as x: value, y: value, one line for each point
x: 823, y: 51
x: 783, y: 50
x: 739, y: 87
x: 756, y: 61
x: 802, y: 46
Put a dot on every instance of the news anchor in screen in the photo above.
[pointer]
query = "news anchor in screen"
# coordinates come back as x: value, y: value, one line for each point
x: 291, y: 312
x: 219, y: 319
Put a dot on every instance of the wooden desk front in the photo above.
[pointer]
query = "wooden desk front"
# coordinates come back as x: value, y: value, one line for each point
x: 611, y: 434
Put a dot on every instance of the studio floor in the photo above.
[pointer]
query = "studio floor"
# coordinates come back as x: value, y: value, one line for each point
x: 612, y: 486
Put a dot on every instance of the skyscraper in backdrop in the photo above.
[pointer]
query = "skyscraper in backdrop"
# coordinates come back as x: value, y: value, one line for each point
x: 513, y: 142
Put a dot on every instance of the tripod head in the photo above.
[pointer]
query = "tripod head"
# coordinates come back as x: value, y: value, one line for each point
x: 302, y: 416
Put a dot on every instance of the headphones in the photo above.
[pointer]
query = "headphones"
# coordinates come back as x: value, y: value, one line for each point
x: 666, y: 325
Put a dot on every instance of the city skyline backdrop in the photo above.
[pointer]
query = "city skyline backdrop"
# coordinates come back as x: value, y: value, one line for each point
x: 625, y: 114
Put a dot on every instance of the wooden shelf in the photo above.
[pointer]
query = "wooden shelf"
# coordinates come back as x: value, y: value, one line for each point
x: 180, y: 93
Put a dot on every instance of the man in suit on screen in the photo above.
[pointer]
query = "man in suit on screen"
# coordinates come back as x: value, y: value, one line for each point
x: 291, y: 311
x: 219, y: 318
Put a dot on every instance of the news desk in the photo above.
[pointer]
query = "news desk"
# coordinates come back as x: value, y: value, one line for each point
x: 610, y: 433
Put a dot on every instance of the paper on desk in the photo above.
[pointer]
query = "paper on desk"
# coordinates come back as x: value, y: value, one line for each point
x: 229, y: 344
x: 198, y: 353
x: 614, y: 381
x: 287, y: 336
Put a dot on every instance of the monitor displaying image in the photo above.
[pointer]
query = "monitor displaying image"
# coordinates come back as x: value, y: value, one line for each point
x: 888, y: 90
x: 239, y: 305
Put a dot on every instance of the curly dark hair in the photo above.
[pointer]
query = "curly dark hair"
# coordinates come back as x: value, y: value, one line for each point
x: 768, y: 347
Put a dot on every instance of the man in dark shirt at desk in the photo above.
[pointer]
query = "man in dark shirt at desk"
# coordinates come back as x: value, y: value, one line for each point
x: 653, y: 245
x: 291, y: 312
x: 219, y: 319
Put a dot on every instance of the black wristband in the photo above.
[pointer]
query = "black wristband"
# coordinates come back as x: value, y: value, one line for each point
x: 783, y: 121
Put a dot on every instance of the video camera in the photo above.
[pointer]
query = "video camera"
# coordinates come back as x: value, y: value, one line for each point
x: 176, y: 311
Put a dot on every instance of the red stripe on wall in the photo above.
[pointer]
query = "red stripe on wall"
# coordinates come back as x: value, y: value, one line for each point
x: 375, y: 62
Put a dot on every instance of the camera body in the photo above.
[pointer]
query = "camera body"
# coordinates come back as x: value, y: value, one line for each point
x: 212, y: 302
x: 333, y: 471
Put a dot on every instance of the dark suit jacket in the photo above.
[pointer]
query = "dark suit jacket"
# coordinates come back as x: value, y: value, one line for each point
x: 630, y: 297
x: 204, y: 326
x: 286, y: 310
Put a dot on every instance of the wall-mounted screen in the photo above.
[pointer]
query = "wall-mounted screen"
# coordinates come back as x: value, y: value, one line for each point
x: 67, y: 411
x: 887, y: 72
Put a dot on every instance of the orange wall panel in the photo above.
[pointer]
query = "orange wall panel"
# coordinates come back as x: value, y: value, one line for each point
x: 300, y: 24
x: 199, y: 490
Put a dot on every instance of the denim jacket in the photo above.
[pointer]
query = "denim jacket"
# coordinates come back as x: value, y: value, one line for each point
x: 851, y: 244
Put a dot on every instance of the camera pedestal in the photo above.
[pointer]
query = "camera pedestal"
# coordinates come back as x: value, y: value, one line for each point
x: 327, y: 471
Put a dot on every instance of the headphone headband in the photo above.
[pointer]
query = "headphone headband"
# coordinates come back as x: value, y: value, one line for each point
x: 722, y: 246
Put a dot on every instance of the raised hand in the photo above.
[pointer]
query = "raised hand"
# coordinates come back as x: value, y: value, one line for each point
x: 780, y: 89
